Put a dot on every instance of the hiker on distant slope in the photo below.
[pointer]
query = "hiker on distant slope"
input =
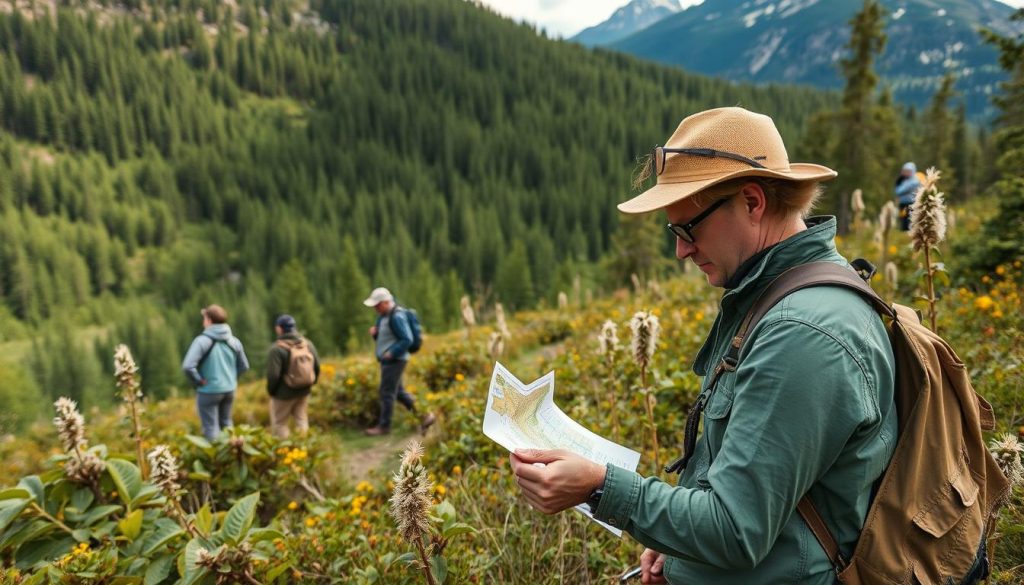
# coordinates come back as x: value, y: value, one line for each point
x: 293, y: 367
x: 213, y: 363
x: 394, y: 338
x: 907, y: 184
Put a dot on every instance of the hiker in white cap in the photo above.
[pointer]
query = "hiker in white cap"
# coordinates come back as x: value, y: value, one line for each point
x: 806, y: 409
x: 394, y: 337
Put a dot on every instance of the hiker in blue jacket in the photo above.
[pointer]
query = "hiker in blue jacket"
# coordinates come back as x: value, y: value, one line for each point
x: 907, y: 185
x: 393, y: 338
x: 213, y: 364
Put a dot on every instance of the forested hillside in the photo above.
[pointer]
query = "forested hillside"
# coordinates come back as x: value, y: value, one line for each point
x: 158, y: 156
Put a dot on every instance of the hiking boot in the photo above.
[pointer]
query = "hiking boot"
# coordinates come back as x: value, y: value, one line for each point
x: 425, y: 422
x: 377, y: 431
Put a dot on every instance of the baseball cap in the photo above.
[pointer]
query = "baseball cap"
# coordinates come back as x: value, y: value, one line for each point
x: 378, y: 296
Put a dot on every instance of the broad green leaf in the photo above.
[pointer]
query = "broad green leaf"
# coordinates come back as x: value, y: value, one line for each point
x: 239, y: 518
x: 278, y: 571
x: 131, y: 525
x: 82, y: 498
x: 261, y: 534
x: 200, y: 442
x: 439, y: 568
x: 122, y: 580
x: 158, y: 570
x: 166, y: 529
x: 457, y: 529
x: 193, y: 573
x: 81, y: 534
x: 33, y: 485
x: 408, y: 557
x: 15, y: 493
x: 147, y: 493
x: 26, y: 532
x: 9, y: 510
x: 445, y: 510
x: 126, y: 476
x: 204, y: 519
x: 100, y: 512
x: 46, y: 549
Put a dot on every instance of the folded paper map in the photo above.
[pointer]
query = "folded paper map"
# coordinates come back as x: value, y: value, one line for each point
x: 524, y: 416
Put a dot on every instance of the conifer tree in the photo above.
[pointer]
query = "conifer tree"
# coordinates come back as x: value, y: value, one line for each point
x: 1004, y: 231
x: 938, y: 134
x: 514, y: 283
x: 861, y: 165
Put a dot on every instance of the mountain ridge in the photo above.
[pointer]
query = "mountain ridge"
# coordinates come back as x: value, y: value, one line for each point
x: 802, y: 41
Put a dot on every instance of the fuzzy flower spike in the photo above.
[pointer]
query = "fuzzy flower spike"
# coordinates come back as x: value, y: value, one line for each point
x: 928, y: 215
x: 125, y: 371
x: 70, y: 424
x: 410, y: 502
x: 645, y: 328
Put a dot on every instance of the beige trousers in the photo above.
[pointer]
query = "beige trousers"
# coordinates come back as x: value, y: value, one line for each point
x: 281, y: 410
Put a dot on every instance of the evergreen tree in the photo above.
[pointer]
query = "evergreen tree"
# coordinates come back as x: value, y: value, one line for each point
x: 514, y: 283
x: 1004, y: 231
x: 938, y: 134
x: 290, y: 293
x: 350, y: 288
x: 861, y: 164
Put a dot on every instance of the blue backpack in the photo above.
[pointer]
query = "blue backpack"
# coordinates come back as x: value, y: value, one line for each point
x: 414, y: 326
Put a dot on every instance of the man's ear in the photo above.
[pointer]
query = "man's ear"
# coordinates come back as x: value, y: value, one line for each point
x: 755, y: 202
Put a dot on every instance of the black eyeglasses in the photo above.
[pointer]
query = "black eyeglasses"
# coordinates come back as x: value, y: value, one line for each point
x: 684, y: 231
x: 659, y: 155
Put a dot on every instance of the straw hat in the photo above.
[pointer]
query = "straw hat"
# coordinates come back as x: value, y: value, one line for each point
x: 721, y: 144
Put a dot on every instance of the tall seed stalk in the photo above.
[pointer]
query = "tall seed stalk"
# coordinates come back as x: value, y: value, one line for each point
x: 645, y: 328
x: 928, y: 229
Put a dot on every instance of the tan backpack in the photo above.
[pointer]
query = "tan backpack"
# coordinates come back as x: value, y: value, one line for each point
x: 936, y: 502
x: 299, y: 373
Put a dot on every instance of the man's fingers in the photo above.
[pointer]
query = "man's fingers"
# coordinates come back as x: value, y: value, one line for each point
x: 538, y: 455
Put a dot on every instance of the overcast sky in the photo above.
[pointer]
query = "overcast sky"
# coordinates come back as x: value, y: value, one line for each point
x: 568, y: 17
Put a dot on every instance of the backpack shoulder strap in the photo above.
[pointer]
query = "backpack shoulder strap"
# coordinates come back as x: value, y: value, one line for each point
x: 790, y: 281
x: 805, y: 276
x: 213, y: 343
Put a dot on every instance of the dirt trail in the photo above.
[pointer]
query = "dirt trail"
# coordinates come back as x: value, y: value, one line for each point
x: 358, y: 456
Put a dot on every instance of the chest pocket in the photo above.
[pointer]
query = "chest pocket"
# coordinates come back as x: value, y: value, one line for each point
x: 716, y: 414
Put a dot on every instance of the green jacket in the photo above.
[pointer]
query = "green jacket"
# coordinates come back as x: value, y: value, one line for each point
x: 810, y: 407
x: 277, y: 364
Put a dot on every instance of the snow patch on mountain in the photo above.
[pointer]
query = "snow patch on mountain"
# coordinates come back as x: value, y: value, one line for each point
x: 788, y: 8
x: 767, y: 46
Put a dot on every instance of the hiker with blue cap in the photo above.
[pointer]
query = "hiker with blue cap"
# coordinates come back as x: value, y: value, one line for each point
x: 907, y: 185
x: 293, y: 367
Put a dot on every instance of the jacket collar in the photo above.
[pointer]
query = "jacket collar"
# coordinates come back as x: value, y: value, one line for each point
x: 815, y: 243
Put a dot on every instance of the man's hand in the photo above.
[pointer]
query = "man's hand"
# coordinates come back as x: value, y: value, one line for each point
x: 386, y: 355
x: 202, y: 381
x: 373, y: 331
x: 652, y: 564
x: 562, y: 481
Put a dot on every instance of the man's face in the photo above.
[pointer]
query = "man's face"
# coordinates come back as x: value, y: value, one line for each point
x: 382, y: 307
x: 720, y: 240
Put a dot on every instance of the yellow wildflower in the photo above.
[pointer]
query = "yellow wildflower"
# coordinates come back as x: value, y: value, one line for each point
x: 983, y: 302
x: 311, y: 521
x: 293, y: 505
x: 459, y: 377
x: 457, y: 470
x: 440, y: 489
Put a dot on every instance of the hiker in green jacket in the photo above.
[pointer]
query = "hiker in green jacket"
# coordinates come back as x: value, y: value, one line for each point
x: 293, y: 367
x: 809, y: 408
